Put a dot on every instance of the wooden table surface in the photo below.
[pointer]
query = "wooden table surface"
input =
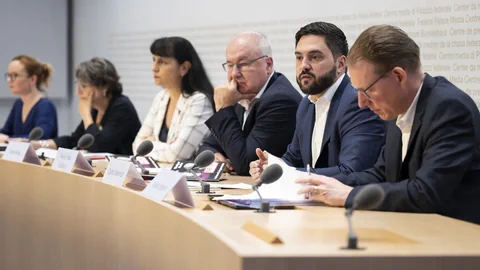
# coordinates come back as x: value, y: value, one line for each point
x: 56, y: 220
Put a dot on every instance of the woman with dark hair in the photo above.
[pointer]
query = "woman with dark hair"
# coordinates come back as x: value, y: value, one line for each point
x: 27, y: 78
x: 106, y: 114
x: 175, y: 122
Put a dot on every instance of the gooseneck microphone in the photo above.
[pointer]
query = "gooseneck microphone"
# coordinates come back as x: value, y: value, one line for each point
x: 271, y: 174
x: 84, y: 142
x: 370, y: 197
x: 142, y: 150
x: 36, y: 134
x: 203, y: 160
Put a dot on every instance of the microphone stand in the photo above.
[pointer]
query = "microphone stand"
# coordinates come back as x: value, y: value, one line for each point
x: 143, y: 170
x: 204, y: 186
x: 352, y: 241
x: 264, y: 206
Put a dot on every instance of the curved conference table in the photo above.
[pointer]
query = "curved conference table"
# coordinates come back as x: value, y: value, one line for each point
x: 56, y: 220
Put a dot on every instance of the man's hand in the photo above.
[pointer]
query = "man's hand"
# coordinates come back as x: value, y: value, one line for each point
x: 221, y: 158
x: 325, y: 189
x: 257, y: 166
x: 228, y: 95
x: 3, y: 138
x: 17, y: 140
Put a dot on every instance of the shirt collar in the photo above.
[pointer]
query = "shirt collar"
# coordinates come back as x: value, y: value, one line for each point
x: 406, y: 120
x: 328, y: 95
x: 246, y: 103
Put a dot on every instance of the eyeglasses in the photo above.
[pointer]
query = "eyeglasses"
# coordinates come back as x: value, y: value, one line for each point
x: 364, y: 92
x: 11, y: 76
x: 241, y: 66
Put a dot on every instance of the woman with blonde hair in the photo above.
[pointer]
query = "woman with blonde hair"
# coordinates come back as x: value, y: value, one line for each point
x: 28, y: 78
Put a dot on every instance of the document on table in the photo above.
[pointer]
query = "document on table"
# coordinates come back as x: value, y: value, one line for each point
x: 224, y: 186
x: 284, y: 188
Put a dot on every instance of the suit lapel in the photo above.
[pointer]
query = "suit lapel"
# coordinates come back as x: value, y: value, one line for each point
x: 309, y: 122
x: 249, y: 122
x: 395, y: 147
x: 428, y: 84
x: 239, y: 111
x: 331, y: 117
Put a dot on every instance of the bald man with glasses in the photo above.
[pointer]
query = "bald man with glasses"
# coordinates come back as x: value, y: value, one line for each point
x: 256, y: 107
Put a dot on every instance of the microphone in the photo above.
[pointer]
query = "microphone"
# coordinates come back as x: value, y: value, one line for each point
x: 84, y: 142
x: 204, y: 159
x: 36, y: 134
x: 142, y: 150
x: 370, y: 197
x: 271, y: 174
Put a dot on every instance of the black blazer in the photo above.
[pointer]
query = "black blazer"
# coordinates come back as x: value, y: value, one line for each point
x: 441, y: 170
x: 117, y: 130
x: 269, y: 126
x: 352, y: 139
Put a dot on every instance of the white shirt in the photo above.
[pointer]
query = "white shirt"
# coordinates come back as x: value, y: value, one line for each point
x: 322, y: 105
x: 405, y: 123
x: 248, y: 104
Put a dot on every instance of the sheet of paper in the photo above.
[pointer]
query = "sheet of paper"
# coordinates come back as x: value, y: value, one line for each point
x: 88, y: 155
x: 284, y: 188
x: 224, y: 186
x: 48, y: 153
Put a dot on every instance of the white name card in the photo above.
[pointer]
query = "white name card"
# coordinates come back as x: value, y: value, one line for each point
x: 21, y: 152
x: 67, y: 160
x: 120, y: 172
x: 166, y: 181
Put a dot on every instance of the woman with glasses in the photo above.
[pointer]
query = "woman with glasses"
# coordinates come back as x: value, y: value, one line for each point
x: 106, y: 113
x: 28, y: 79
x: 175, y: 122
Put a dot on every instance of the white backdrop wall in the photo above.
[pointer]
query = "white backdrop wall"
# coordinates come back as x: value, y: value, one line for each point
x: 447, y: 31
x: 39, y: 29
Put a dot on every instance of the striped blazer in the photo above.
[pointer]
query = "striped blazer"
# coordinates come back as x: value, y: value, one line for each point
x: 187, y: 129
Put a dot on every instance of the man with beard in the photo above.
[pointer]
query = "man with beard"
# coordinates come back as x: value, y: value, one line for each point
x: 431, y: 159
x: 333, y: 135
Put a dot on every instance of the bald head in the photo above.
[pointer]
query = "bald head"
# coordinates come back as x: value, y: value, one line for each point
x: 254, y: 41
x: 249, y: 61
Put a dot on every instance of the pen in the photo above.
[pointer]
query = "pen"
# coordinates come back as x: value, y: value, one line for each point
x: 309, y: 195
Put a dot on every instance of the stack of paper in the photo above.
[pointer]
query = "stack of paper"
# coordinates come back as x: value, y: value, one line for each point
x: 284, y: 188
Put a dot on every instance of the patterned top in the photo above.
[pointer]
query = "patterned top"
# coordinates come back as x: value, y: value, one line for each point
x: 187, y: 129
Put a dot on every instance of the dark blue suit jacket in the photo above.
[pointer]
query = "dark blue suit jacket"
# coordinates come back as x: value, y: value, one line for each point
x: 352, y: 139
x: 269, y: 126
x: 441, y: 169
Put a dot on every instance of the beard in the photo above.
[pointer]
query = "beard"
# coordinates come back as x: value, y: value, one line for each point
x: 320, y: 84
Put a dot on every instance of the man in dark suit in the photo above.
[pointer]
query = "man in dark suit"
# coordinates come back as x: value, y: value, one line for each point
x: 431, y: 159
x: 256, y: 109
x: 332, y: 133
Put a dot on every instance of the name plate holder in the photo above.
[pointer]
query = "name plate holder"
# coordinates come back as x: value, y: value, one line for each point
x: 123, y: 173
x: 167, y: 181
x: 73, y: 161
x: 21, y: 152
